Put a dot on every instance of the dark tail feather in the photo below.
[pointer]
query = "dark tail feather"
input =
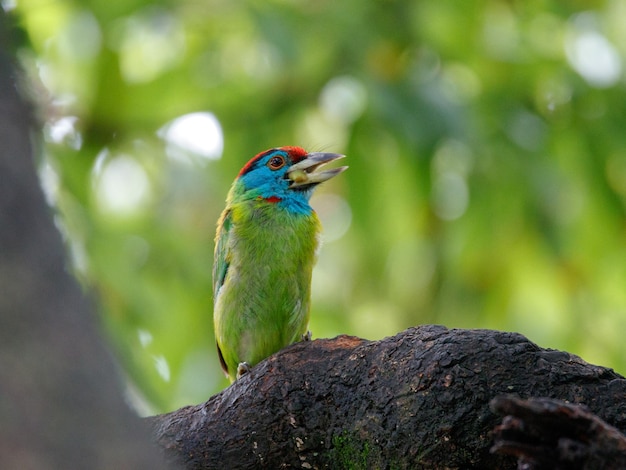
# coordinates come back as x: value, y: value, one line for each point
x: 222, y: 361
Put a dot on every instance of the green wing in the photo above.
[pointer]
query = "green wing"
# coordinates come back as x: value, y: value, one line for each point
x: 221, y: 259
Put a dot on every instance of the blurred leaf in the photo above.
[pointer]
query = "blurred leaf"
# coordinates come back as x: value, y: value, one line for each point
x: 486, y: 150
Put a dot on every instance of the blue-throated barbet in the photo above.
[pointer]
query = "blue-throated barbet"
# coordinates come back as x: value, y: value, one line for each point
x: 265, y: 249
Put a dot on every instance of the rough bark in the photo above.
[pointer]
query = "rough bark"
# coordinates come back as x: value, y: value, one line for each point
x: 61, y: 404
x: 416, y: 400
x: 547, y: 434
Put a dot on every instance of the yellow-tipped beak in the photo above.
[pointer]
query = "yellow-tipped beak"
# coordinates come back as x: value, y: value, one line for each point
x: 306, y: 172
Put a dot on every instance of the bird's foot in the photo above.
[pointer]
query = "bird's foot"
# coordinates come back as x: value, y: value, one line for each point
x: 306, y: 336
x: 242, y: 368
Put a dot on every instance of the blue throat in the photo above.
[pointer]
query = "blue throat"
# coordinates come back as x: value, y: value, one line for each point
x: 296, y: 203
x: 276, y: 191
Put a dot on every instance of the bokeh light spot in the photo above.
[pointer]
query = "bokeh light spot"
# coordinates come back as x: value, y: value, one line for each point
x: 150, y: 43
x: 63, y: 131
x: 450, y: 196
x: 591, y: 54
x: 343, y: 99
x: 81, y: 38
x: 195, y: 134
x: 334, y: 213
x: 145, y: 337
x: 122, y: 187
x: 162, y: 367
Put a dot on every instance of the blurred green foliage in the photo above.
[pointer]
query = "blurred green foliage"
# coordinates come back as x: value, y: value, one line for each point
x: 486, y: 142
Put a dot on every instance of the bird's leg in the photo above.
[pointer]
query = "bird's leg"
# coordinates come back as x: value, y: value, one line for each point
x: 306, y: 336
x: 242, y: 368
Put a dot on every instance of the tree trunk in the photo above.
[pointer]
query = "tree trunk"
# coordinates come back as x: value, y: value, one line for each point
x: 61, y: 404
x: 416, y: 400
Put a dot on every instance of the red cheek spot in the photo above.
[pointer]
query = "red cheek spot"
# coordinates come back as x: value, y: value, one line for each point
x: 273, y: 199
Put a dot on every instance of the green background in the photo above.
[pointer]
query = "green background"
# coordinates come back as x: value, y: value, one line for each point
x: 486, y: 142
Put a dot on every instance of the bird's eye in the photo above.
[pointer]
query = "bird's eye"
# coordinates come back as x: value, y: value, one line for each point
x: 276, y: 162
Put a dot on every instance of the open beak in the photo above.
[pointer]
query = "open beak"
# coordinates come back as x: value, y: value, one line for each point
x: 306, y: 173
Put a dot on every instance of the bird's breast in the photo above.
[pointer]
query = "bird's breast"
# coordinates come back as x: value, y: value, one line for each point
x: 273, y: 235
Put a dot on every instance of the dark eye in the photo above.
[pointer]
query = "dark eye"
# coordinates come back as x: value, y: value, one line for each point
x: 276, y: 162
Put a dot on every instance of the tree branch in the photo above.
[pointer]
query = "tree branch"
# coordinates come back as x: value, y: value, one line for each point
x: 416, y: 400
x: 549, y: 434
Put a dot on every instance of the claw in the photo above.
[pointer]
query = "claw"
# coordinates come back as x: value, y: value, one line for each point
x: 306, y: 336
x: 242, y: 368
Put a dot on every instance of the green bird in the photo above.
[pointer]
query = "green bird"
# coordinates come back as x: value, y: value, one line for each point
x: 265, y: 248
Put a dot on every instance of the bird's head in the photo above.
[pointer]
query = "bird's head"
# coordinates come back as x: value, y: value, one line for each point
x: 284, y: 174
